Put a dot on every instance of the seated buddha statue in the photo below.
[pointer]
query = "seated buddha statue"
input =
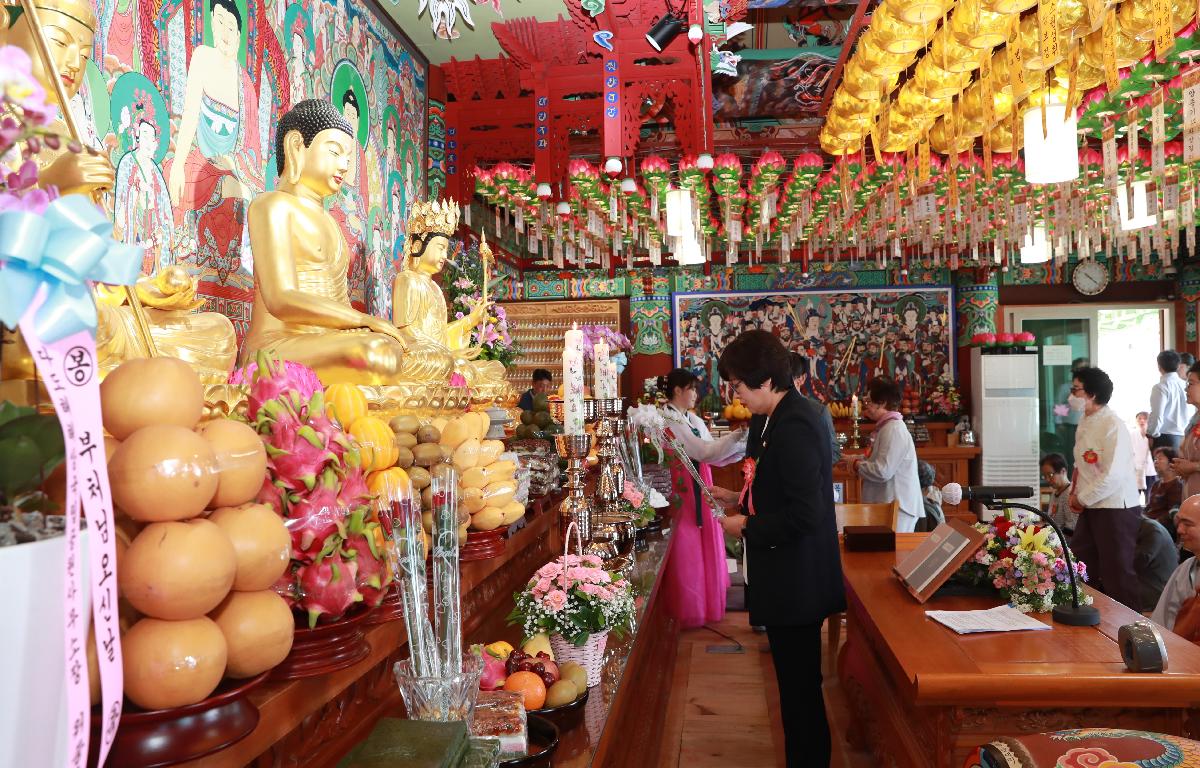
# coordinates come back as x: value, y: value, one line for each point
x: 205, y: 340
x: 438, y: 347
x: 302, y: 309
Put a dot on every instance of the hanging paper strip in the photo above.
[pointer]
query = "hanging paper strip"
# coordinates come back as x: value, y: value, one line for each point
x: 612, y: 106
x: 1164, y: 35
x: 1109, y: 50
x: 541, y: 130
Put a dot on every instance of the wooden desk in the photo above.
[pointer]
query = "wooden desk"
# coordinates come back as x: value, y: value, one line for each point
x: 924, y: 696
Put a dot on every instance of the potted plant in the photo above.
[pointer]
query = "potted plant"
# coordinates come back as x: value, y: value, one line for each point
x: 577, y: 603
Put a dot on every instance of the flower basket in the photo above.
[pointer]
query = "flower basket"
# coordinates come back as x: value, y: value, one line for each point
x: 1025, y: 563
x: 577, y: 603
x: 590, y: 655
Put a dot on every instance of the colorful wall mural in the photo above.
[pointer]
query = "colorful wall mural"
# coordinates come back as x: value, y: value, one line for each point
x: 849, y: 336
x: 184, y: 97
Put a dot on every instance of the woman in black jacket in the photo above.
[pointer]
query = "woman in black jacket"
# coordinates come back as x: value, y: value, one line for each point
x: 793, y: 561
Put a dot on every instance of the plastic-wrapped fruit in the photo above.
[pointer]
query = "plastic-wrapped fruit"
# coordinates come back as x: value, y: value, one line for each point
x: 178, y: 570
x: 258, y: 629
x: 172, y: 664
x: 392, y: 483
x: 427, y: 454
x: 487, y: 519
x: 420, y: 477
x: 405, y: 439
x: 526, y: 417
x: 462, y: 533
x: 466, y: 455
x: 471, y: 499
x: 405, y: 423
x: 512, y: 511
x: 456, y: 432
x: 489, y: 451
x: 241, y: 461
x: 502, y: 469
x: 345, y: 402
x: 163, y: 472
x: 480, y: 477
x: 376, y: 442
x: 500, y: 493
x: 146, y: 391
x: 261, y: 543
x: 428, y: 434
x: 404, y: 457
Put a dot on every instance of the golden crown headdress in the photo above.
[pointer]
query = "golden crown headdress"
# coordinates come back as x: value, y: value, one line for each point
x: 439, y: 217
x: 80, y: 10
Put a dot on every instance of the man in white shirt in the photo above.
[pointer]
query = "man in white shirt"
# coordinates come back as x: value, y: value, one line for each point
x: 1104, y: 489
x: 1168, y: 403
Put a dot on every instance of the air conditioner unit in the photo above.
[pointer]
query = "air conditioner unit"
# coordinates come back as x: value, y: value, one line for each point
x: 1004, y: 410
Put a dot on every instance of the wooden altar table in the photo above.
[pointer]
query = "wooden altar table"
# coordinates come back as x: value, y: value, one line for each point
x: 923, y: 696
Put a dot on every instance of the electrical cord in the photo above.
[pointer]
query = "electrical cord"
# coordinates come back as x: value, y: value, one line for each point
x: 741, y: 648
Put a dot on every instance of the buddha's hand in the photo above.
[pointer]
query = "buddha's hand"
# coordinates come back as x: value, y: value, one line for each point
x: 83, y: 172
x: 479, y: 312
x: 387, y: 329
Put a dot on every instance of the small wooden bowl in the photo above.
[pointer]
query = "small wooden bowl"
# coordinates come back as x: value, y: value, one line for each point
x: 326, y: 648
x: 149, y: 739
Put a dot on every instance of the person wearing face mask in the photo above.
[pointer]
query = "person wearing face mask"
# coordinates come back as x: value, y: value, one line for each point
x: 1104, y: 489
x: 696, y: 577
x: 889, y: 469
x: 1166, y: 494
x: 1187, y: 463
x: 1054, y: 474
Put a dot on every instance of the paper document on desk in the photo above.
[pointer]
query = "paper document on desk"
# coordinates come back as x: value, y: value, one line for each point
x: 1002, y: 618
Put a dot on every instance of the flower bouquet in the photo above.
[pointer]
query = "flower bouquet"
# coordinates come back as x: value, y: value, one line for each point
x: 577, y: 603
x: 494, y: 335
x: 637, y: 503
x: 1025, y: 563
x: 942, y: 400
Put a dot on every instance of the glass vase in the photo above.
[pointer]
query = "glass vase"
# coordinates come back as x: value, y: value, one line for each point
x: 440, y: 698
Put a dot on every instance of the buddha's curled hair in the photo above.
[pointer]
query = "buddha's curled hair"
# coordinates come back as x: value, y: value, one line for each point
x: 310, y: 117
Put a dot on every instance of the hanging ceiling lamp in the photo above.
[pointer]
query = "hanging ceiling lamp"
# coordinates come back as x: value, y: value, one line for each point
x: 1139, y: 218
x: 1036, y: 248
x: 612, y: 166
x: 679, y: 212
x: 688, y: 250
x: 704, y: 162
x: 563, y: 209
x: 628, y: 186
x: 543, y: 191
x: 1052, y: 157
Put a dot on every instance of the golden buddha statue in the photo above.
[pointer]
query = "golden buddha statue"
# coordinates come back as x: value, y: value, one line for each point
x: 204, y: 340
x: 438, y: 347
x: 302, y: 308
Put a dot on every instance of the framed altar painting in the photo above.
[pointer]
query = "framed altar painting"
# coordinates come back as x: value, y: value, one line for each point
x: 848, y: 336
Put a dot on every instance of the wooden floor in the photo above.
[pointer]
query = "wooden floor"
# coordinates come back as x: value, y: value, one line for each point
x: 724, y: 706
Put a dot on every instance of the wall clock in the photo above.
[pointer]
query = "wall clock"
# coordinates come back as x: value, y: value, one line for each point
x: 1090, y: 277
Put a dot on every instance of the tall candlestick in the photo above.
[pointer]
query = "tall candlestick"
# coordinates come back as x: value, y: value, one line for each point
x: 600, y: 369
x: 573, y: 382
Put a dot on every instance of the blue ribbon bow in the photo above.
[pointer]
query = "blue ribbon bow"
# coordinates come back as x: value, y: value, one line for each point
x: 63, y: 248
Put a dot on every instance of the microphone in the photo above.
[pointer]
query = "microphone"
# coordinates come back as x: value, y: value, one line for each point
x: 955, y: 493
x: 993, y: 497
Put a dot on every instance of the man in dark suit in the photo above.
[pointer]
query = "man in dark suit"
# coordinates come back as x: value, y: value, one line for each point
x: 792, y: 554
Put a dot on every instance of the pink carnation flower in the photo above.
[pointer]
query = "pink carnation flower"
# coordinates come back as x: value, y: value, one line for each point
x: 555, y: 601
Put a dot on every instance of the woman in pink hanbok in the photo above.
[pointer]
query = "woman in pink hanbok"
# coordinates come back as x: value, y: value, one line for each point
x: 696, y: 577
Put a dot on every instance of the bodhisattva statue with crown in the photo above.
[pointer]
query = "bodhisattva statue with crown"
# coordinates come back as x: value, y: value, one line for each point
x: 437, y: 346
x: 204, y: 340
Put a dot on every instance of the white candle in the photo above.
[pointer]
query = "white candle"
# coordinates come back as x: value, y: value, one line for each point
x: 854, y: 412
x: 573, y: 382
x: 612, y: 378
x: 600, y: 369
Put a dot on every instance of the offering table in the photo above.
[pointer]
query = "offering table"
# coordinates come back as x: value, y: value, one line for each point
x: 923, y: 696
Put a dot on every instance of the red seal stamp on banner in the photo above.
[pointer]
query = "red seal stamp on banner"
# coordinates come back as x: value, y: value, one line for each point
x: 1091, y: 457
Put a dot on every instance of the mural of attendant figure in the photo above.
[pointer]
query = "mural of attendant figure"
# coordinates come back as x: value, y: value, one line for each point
x: 300, y: 70
x: 218, y: 159
x: 142, y: 209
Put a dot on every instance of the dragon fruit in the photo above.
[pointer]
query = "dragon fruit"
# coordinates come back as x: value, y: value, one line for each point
x: 373, y: 577
x: 354, y: 493
x: 494, y: 673
x: 313, y: 520
x: 328, y: 587
x: 297, y: 454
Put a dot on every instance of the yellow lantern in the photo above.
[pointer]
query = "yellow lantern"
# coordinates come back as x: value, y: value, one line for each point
x: 977, y: 28
x: 936, y: 82
x: 913, y: 103
x: 839, y: 147
x: 1087, y: 76
x: 1010, y: 7
x: 1031, y: 46
x: 939, y: 139
x: 1002, y: 138
x: 1136, y: 17
x: 972, y: 104
x: 896, y: 36
x: 951, y: 55
x: 845, y: 128
x: 847, y: 105
x: 875, y: 59
x: 1129, y: 50
x: 919, y: 11
x: 865, y: 85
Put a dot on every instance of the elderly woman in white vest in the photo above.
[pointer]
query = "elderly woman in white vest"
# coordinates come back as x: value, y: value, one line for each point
x: 889, y: 469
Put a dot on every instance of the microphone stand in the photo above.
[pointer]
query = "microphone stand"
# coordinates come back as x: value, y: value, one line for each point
x: 1074, y: 615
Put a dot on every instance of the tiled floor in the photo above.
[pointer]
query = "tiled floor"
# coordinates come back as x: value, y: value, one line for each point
x: 724, y: 706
